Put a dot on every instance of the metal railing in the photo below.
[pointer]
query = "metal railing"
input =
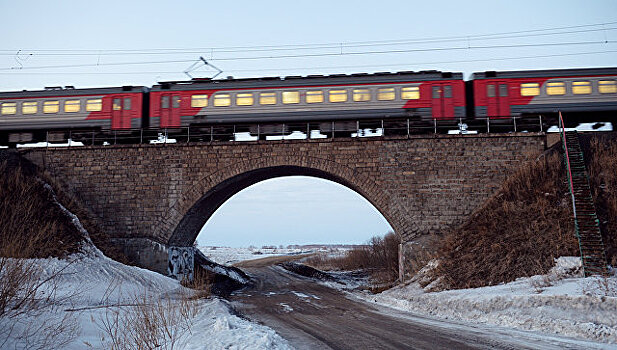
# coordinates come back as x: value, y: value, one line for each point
x: 364, y: 128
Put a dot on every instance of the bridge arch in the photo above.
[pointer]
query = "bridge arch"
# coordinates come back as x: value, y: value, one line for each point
x: 215, y: 189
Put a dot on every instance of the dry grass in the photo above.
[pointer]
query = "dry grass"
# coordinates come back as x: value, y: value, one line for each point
x: 379, y: 257
x: 517, y: 233
x: 602, y: 164
x: 148, y: 323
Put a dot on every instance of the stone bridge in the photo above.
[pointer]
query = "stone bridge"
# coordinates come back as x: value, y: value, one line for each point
x: 147, y: 197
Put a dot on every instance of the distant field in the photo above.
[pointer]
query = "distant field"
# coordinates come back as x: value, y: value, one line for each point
x: 228, y: 255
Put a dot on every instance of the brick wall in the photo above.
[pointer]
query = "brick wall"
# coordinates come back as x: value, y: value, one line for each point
x: 420, y: 184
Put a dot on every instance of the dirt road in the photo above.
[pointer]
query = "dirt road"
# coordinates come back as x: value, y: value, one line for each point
x: 312, y: 316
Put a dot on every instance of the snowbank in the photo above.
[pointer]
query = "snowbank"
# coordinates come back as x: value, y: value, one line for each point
x: 561, y: 302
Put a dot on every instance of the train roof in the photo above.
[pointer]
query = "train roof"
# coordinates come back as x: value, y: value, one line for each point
x: 309, y: 80
x: 544, y: 73
x: 71, y: 91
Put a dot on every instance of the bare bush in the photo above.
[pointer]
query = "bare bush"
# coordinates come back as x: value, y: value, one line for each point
x: 379, y: 257
x: 149, y: 323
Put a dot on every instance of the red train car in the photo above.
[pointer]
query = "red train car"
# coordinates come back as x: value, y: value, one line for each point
x: 25, y: 115
x: 516, y: 93
x: 422, y: 95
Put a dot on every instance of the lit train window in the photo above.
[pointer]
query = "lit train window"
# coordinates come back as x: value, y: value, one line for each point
x: 9, y: 108
x: 556, y: 88
x: 290, y: 97
x: 29, y: 107
x: 410, y: 93
x: 361, y: 95
x: 267, y: 98
x: 127, y: 103
x: 315, y: 96
x: 199, y: 101
x: 94, y: 105
x: 244, y: 99
x: 530, y: 89
x: 118, y: 104
x: 51, y: 106
x: 222, y: 100
x: 607, y: 86
x: 385, y: 94
x: 581, y: 87
x: 337, y: 95
x: 72, y: 106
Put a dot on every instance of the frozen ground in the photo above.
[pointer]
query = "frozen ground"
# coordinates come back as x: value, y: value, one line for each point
x: 229, y: 256
x: 561, y: 302
x: 91, y: 286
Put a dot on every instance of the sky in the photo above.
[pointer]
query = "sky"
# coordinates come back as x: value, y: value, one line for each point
x: 115, y: 43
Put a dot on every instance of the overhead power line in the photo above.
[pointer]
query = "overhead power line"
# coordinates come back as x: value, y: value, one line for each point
x: 355, y: 53
x: 334, y: 67
x: 332, y: 45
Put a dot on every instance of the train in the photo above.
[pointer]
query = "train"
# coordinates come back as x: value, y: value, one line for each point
x: 422, y: 97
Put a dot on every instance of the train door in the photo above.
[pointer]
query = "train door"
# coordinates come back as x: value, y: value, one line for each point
x: 498, y: 101
x: 442, y: 101
x: 170, y: 111
x: 121, y: 112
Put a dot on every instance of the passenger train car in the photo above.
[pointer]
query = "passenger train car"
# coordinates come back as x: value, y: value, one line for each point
x: 28, y: 115
x: 427, y: 96
x: 544, y: 92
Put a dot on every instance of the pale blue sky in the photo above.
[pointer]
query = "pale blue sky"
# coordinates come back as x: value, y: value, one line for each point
x: 89, y: 31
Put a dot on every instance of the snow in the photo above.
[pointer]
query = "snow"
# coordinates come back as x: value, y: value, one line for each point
x: 90, y: 285
x: 560, y: 302
x: 229, y: 256
x: 601, y: 126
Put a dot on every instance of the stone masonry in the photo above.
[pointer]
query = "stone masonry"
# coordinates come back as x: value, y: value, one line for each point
x: 163, y: 194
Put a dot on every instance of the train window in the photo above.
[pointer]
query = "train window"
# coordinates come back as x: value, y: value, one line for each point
x: 385, y: 94
x: 175, y: 102
x: 361, y: 95
x: 199, y: 101
x: 117, y: 104
x: 436, y: 92
x: 581, y: 87
x: 447, y: 91
x: 490, y: 90
x: 72, y: 106
x: 315, y: 96
x: 410, y: 93
x: 337, y: 95
x: 29, y: 107
x: 164, y: 102
x: 290, y: 97
x: 530, y: 89
x: 556, y: 88
x: 607, y: 86
x: 51, y: 106
x: 244, y: 99
x: 503, y: 90
x: 222, y: 100
x: 94, y: 105
x: 127, y: 103
x: 9, y: 108
x: 267, y: 98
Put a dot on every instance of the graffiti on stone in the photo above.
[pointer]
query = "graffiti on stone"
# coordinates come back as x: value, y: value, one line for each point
x: 181, y: 263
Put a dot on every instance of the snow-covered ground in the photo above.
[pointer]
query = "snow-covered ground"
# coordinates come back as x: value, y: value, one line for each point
x: 229, y: 256
x: 561, y: 302
x: 91, y: 287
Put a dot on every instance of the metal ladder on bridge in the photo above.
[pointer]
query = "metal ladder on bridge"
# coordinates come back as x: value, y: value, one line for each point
x: 586, y: 221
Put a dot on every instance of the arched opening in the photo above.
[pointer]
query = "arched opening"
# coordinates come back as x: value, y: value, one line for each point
x: 297, y: 210
x: 204, y: 208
